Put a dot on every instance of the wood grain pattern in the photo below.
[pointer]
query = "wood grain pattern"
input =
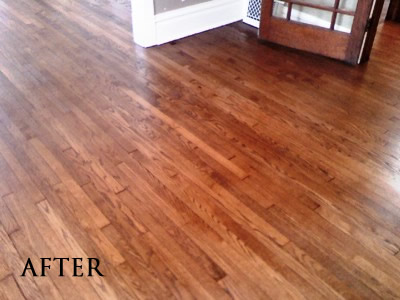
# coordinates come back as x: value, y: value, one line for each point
x: 328, y: 42
x: 209, y: 168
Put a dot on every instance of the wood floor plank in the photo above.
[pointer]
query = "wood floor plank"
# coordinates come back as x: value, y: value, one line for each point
x: 183, y: 266
x: 9, y: 289
x: 145, y: 276
x: 13, y: 260
x: 4, y: 268
x: 31, y: 239
x: 86, y: 203
x: 212, y: 167
x: 7, y: 219
x: 98, y: 283
x: 213, y: 153
x: 51, y: 285
x: 22, y: 175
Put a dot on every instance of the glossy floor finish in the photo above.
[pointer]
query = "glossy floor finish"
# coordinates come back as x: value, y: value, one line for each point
x: 214, y: 167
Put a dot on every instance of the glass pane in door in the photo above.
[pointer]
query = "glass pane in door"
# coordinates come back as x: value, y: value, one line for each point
x: 349, y: 5
x: 311, y: 16
x: 328, y: 3
x: 344, y: 23
x: 280, y: 9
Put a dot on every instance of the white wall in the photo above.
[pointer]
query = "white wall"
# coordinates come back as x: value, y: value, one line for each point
x: 150, y: 29
x: 161, y: 6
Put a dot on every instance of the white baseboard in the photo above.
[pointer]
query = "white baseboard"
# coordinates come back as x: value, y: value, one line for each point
x: 180, y: 23
x: 252, y: 22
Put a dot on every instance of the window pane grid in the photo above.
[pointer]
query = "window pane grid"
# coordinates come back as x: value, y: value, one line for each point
x: 322, y: 7
x: 289, y: 13
x: 333, y: 21
x: 333, y: 6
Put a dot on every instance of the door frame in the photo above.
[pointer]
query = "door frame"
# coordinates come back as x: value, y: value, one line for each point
x: 370, y: 35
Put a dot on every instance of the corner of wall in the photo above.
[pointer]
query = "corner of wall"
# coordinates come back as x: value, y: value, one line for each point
x: 150, y: 29
x: 143, y: 22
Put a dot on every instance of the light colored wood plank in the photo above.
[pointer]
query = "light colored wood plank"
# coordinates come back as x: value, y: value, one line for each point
x: 13, y: 260
x: 7, y: 219
x: 84, y: 201
x: 98, y: 283
x: 32, y: 241
x: 9, y: 289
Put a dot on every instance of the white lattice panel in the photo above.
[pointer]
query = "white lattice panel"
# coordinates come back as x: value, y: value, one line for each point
x: 253, y: 13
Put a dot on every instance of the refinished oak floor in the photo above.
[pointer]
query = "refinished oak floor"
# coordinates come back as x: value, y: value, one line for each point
x: 210, y: 168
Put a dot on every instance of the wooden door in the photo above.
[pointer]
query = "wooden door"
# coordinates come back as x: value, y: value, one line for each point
x: 340, y: 29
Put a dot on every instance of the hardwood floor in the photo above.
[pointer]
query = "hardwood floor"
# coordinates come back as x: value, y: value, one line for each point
x: 214, y: 167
